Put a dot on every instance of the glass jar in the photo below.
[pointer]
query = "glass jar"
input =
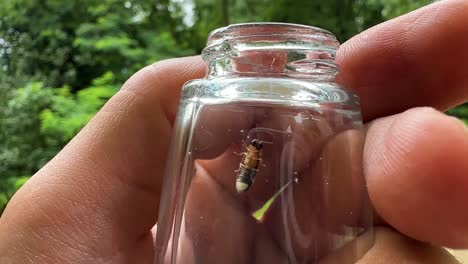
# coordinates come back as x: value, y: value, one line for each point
x: 266, y: 158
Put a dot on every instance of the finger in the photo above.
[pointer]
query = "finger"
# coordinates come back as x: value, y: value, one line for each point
x: 295, y: 138
x: 299, y: 132
x: 419, y: 59
x: 389, y: 247
x: 106, y: 182
x: 217, y: 228
x: 214, y: 225
x: 327, y: 204
x: 343, y: 194
x: 219, y: 126
x: 416, y: 167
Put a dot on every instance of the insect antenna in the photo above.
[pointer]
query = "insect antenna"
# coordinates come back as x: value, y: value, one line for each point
x: 269, y: 131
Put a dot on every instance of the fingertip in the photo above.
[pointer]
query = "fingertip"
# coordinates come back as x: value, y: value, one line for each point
x: 416, y: 165
x: 186, y: 67
x: 175, y: 69
x: 409, y: 61
x: 160, y: 83
x: 165, y: 77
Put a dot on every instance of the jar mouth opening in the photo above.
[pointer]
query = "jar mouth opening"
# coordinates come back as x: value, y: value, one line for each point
x: 270, y: 35
x: 269, y: 48
x: 253, y: 29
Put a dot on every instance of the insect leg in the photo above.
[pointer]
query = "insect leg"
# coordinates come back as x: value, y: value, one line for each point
x: 241, y: 167
x: 267, y: 130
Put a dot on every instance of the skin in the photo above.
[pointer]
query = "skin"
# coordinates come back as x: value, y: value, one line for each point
x: 97, y: 200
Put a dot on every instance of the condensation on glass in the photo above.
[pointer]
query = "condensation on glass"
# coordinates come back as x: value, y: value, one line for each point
x: 266, y: 158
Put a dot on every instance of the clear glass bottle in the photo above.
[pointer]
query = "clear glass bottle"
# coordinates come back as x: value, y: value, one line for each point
x: 266, y: 157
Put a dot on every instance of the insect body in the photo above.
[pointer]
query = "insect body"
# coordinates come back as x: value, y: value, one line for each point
x: 248, y: 167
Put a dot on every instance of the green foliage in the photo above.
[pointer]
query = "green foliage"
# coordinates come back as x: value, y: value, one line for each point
x: 8, y: 187
x: 394, y: 8
x: 460, y: 112
x: 345, y: 17
x: 38, y: 121
x: 73, y: 42
x: 23, y: 148
x: 68, y: 112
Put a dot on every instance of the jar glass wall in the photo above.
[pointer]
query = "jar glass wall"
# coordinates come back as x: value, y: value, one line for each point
x: 266, y: 158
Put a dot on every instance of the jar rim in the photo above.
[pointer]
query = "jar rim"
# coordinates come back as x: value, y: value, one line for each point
x: 275, y: 32
x: 254, y: 29
x: 304, y: 50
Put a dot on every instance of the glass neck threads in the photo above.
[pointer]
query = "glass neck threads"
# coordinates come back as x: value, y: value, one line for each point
x: 272, y: 50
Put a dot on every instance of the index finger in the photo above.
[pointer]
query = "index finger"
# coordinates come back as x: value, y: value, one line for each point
x: 419, y: 59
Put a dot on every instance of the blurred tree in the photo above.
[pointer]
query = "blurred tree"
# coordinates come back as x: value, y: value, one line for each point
x: 38, y: 121
x: 343, y: 17
x: 23, y: 149
x: 73, y: 42
x: 123, y: 36
x: 68, y: 113
x: 8, y: 187
x: 460, y: 112
x: 394, y: 8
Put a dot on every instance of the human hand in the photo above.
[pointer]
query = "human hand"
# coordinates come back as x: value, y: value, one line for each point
x: 97, y: 200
